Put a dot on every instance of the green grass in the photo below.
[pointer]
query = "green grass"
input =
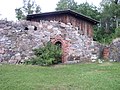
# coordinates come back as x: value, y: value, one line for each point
x: 104, y: 76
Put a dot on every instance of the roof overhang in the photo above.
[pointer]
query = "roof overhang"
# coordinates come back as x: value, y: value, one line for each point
x: 69, y: 12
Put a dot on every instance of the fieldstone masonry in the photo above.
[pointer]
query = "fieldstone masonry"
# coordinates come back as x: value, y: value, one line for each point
x: 114, y: 50
x: 17, y: 40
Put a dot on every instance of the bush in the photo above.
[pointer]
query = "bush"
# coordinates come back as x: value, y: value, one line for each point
x: 47, y: 55
x: 117, y: 32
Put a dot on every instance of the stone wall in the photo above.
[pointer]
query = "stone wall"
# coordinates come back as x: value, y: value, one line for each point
x: 17, y: 40
x: 114, y: 50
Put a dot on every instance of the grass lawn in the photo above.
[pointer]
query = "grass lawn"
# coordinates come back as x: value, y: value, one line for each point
x: 104, y: 76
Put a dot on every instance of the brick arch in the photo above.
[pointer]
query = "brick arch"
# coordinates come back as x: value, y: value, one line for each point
x: 59, y: 44
x: 64, y: 47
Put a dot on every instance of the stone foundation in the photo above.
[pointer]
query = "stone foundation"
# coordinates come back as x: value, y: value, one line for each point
x: 17, y: 40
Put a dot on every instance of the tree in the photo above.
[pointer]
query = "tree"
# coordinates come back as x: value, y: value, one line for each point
x: 109, y: 21
x: 84, y: 8
x: 116, y: 1
x: 110, y: 14
x: 19, y: 14
x: 66, y: 4
x: 29, y: 7
x: 89, y: 10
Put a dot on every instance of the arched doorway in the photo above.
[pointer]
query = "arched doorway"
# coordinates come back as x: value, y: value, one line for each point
x: 59, y: 44
x: 64, y: 45
x: 58, y: 58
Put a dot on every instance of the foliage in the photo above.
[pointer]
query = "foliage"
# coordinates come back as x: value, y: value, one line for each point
x: 29, y: 7
x: 101, y: 36
x: 89, y: 10
x: 47, y: 55
x: 19, y: 14
x: 117, y: 32
x: 66, y: 4
x: 110, y: 14
x: 61, y: 77
x: 108, y: 22
x: 85, y: 8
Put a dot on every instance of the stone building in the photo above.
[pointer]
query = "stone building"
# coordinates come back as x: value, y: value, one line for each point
x: 82, y: 22
x: 72, y: 30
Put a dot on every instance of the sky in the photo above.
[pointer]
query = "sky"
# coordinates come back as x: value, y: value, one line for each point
x: 7, y: 7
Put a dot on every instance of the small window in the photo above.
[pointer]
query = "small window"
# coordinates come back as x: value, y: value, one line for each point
x: 35, y: 28
x: 26, y: 28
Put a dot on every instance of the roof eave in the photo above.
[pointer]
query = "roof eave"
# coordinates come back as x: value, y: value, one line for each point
x: 93, y: 21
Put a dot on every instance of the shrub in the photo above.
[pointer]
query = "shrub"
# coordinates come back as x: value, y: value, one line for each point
x: 117, y: 32
x: 47, y: 55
